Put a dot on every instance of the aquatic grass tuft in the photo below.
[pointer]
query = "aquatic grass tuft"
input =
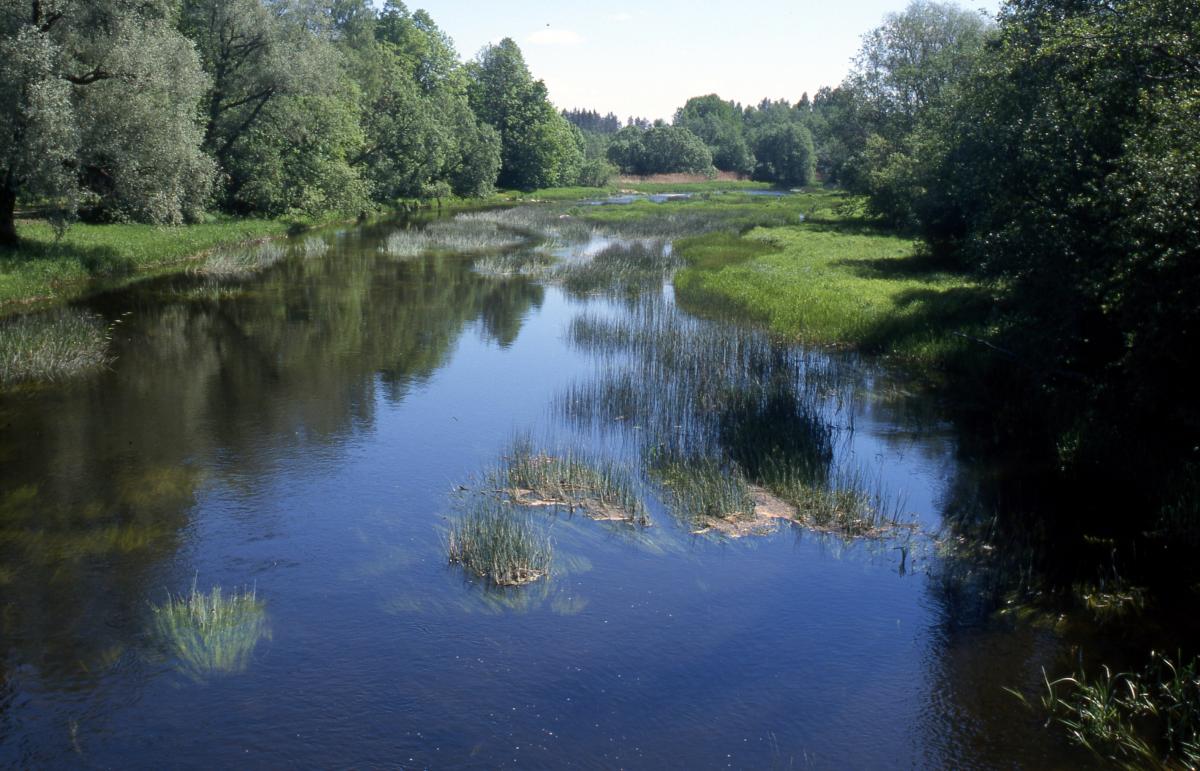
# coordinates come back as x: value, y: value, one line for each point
x: 496, y: 541
x: 314, y: 247
x: 701, y: 490
x: 241, y: 264
x: 209, y: 633
x: 52, y: 347
x: 455, y: 235
x: 620, y: 268
x: 1136, y: 719
x: 532, y: 264
x: 844, y: 502
x: 571, y: 480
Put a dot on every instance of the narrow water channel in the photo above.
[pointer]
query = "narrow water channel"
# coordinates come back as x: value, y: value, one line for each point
x: 309, y: 434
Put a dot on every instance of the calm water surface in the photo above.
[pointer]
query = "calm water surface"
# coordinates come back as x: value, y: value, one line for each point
x: 306, y: 434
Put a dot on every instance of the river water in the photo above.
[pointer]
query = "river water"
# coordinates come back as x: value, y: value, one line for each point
x: 307, y: 433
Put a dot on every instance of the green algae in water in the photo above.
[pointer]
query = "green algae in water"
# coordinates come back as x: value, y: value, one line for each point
x: 211, y: 633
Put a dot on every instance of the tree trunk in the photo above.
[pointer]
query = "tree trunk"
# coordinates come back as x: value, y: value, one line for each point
x: 8, y: 228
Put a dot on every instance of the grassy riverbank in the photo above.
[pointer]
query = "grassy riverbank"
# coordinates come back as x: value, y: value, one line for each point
x: 46, y: 270
x: 812, y: 268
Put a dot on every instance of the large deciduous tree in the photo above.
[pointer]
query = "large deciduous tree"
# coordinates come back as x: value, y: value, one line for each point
x: 100, y: 98
x: 538, y: 147
x: 719, y: 123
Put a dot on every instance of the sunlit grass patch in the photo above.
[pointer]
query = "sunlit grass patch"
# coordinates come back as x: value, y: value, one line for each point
x: 211, y: 633
x: 52, y: 346
x: 567, y: 479
x: 827, y: 283
x: 494, y: 540
x: 240, y: 264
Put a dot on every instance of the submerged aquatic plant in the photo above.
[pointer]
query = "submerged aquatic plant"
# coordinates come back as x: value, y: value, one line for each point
x: 240, y: 264
x: 209, y: 633
x: 571, y: 480
x: 54, y: 346
x: 496, y: 541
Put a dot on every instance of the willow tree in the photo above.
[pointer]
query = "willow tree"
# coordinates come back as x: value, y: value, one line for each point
x: 100, y: 100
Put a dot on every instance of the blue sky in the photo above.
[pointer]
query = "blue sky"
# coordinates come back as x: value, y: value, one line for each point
x: 646, y: 58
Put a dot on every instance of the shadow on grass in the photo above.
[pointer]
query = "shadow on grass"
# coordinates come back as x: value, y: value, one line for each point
x: 97, y: 260
x: 919, y: 266
x: 943, y: 317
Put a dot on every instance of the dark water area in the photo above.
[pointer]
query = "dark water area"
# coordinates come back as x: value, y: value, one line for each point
x: 307, y: 432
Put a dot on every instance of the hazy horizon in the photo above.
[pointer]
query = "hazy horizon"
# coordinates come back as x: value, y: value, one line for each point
x: 646, y: 61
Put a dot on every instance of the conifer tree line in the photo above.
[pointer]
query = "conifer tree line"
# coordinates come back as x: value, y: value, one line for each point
x: 161, y: 110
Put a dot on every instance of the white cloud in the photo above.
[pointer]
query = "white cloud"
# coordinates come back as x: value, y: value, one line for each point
x: 621, y: 17
x: 554, y: 37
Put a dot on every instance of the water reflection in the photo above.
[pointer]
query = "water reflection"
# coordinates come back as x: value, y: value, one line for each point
x: 302, y: 432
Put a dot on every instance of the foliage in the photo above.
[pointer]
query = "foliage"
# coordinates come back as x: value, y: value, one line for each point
x: 538, y: 147
x: 784, y: 155
x: 100, y: 100
x: 659, y: 150
x: 719, y: 124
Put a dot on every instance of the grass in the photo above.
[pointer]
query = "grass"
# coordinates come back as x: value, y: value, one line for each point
x: 519, y: 263
x: 454, y: 235
x: 701, y: 490
x: 52, y: 346
x: 834, y: 280
x: 236, y: 265
x: 621, y: 268
x: 843, y: 503
x: 570, y: 480
x: 1147, y: 719
x: 314, y: 246
x: 493, y: 540
x: 210, y: 633
x: 47, y: 269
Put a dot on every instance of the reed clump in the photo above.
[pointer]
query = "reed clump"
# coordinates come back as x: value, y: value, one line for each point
x: 1147, y: 719
x: 570, y: 480
x: 844, y: 503
x: 455, y: 235
x: 532, y: 264
x: 314, y: 247
x: 494, y: 540
x: 622, y: 267
x: 241, y: 264
x: 703, y: 491
x: 51, y: 347
x: 211, y: 632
